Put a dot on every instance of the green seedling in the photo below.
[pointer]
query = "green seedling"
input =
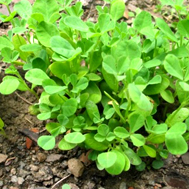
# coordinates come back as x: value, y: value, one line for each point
x: 122, y: 92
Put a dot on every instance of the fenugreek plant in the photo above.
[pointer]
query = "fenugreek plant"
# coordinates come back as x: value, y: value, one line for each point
x: 120, y: 91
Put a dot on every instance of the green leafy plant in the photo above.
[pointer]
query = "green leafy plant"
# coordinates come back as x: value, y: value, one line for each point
x: 120, y: 91
x: 176, y: 9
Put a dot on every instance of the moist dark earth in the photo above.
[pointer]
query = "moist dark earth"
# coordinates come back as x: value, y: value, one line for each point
x: 25, y: 167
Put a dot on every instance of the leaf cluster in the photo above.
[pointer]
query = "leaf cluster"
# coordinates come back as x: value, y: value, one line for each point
x: 120, y: 91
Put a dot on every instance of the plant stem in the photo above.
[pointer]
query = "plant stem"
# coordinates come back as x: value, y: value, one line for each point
x: 18, y: 63
x: 8, y: 8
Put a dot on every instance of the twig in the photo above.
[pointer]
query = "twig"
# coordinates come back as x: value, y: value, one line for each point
x: 103, y: 5
x: 28, y: 120
x: 60, y: 181
x: 32, y: 135
x: 23, y: 99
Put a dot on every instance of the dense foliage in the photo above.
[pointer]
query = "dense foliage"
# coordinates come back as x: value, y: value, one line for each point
x: 121, y: 91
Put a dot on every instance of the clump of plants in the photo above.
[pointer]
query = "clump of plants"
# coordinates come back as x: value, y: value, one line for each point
x: 120, y: 91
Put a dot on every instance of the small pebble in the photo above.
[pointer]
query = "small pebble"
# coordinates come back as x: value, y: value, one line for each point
x: 14, y: 179
x: 76, y: 167
x: 123, y: 185
x: 53, y: 157
x: 1, y: 183
x: 20, y: 180
x: 3, y: 158
x: 41, y: 157
x: 34, y: 168
x: 185, y: 158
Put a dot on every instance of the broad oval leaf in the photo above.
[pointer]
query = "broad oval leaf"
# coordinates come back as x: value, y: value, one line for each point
x: 133, y: 157
x: 62, y: 46
x: 55, y: 128
x: 9, y: 85
x: 174, y: 140
x: 36, y: 76
x: 23, y: 8
x: 47, y: 8
x: 30, y: 47
x: 69, y: 107
x: 139, y: 98
x: 54, y: 89
x: 74, y: 138
x: 63, y: 145
x: 45, y: 31
x: 163, y: 26
x: 93, y: 144
x: 119, y: 164
x: 107, y: 159
x: 137, y: 139
x: 143, y: 23
x: 117, y: 9
x: 46, y: 142
x: 103, y: 129
x: 177, y: 116
x: 167, y: 95
x: 4, y: 42
x: 94, y: 92
x: 136, y: 121
x: 182, y: 27
x: 76, y: 23
x: 105, y: 23
x: 172, y: 66
x: 121, y: 132
x: 150, y: 151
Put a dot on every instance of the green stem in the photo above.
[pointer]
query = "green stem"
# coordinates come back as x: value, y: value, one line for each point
x: 181, y: 40
x: 93, y: 50
x: 31, y: 90
x: 18, y: 63
x: 8, y: 8
x: 128, y: 106
x: 154, y: 54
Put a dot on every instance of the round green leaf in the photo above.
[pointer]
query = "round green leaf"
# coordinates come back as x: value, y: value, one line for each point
x: 134, y: 159
x: 93, y: 144
x: 173, y: 66
x: 46, y: 142
x: 69, y: 107
x: 177, y: 116
x: 176, y: 144
x: 74, y: 138
x: 121, y: 132
x: 4, y: 42
x: 103, y: 129
x: 136, y: 121
x: 9, y: 85
x: 99, y: 137
x: 118, y: 165
x: 174, y: 140
x: 150, y: 151
x: 63, y: 145
x: 62, y: 46
x: 137, y: 139
x: 141, y: 167
x: 55, y: 128
x: 157, y: 164
x: 76, y: 23
x: 117, y: 9
x: 36, y: 76
x: 107, y: 159
x: 45, y: 31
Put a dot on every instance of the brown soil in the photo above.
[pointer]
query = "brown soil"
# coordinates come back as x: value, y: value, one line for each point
x: 35, y: 168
